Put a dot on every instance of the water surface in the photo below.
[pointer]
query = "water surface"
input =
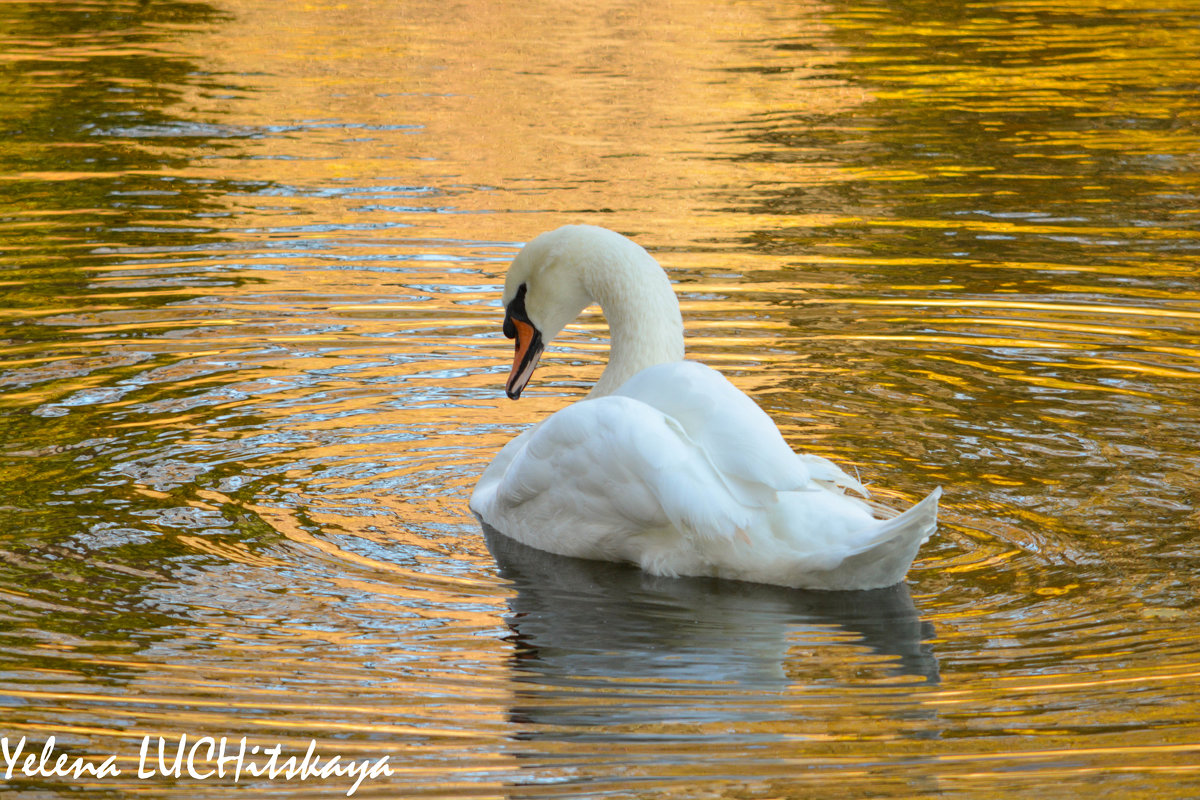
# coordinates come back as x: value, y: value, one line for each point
x: 251, y: 366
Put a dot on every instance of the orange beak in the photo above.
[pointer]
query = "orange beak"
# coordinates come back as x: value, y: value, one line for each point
x: 525, y: 356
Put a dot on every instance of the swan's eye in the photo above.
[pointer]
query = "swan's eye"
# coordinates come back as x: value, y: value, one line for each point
x: 515, y: 312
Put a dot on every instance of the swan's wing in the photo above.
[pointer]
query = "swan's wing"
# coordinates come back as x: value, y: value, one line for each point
x: 620, y: 460
x: 741, y: 440
x: 830, y: 475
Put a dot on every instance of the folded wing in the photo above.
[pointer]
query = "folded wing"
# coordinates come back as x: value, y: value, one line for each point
x: 621, y: 463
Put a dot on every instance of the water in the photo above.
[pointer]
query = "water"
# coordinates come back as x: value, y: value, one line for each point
x: 252, y: 365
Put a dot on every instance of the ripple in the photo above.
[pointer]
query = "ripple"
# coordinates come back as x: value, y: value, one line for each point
x: 251, y: 367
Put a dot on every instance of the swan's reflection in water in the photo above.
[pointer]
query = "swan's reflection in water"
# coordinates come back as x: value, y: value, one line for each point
x: 588, y: 623
x: 683, y: 682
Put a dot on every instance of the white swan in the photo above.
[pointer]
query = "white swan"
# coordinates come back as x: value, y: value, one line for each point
x: 665, y: 463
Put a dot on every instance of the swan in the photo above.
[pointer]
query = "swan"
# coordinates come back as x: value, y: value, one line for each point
x: 665, y: 463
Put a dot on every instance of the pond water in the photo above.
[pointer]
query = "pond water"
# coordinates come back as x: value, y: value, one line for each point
x: 252, y: 365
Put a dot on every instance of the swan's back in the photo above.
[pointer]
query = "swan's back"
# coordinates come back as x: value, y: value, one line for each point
x: 736, y: 435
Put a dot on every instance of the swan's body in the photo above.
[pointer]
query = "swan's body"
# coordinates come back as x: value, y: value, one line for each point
x: 666, y: 464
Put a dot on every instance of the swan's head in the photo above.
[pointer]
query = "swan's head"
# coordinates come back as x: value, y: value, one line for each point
x: 544, y: 290
x: 561, y: 273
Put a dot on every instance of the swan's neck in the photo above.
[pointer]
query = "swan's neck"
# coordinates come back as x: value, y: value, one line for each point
x: 644, y: 324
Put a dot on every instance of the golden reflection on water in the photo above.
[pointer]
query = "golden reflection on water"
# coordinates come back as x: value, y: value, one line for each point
x: 252, y: 367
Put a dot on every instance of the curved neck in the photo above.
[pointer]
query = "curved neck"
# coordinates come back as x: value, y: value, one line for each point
x: 645, y: 327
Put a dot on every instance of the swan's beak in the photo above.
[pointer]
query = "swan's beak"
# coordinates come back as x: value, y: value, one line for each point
x: 525, y: 357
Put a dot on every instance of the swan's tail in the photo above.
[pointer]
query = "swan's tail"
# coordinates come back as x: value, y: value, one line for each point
x: 885, y: 556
